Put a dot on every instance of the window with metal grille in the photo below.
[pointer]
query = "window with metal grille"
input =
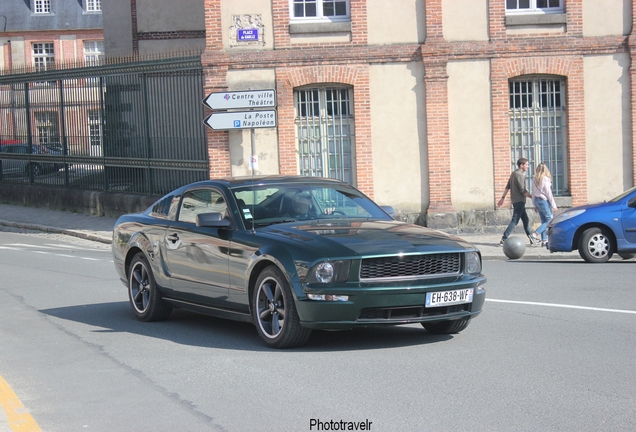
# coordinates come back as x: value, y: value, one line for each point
x: 42, y: 6
x: 47, y: 127
x: 534, y: 6
x: 43, y: 56
x: 538, y: 127
x: 325, y: 132
x: 331, y: 10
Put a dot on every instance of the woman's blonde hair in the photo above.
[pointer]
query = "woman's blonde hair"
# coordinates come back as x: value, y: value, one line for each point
x: 541, y: 172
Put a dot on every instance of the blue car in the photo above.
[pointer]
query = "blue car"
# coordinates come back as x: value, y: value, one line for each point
x: 597, y: 230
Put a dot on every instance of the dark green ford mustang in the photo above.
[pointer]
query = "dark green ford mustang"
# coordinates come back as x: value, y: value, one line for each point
x: 292, y: 254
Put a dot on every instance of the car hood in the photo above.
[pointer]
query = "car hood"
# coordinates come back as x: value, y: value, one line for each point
x: 369, y: 238
x: 602, y: 207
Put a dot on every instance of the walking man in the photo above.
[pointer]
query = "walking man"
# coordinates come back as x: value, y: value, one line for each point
x: 518, y: 193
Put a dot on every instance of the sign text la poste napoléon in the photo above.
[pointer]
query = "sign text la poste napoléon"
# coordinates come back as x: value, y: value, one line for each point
x: 253, y: 99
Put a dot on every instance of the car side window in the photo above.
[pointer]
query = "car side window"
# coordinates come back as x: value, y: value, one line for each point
x: 199, y: 201
x: 161, y: 209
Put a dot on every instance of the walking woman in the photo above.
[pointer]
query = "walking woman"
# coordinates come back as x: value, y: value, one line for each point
x: 543, y: 201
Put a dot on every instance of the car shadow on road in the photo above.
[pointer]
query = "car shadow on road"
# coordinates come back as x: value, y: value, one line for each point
x: 189, y: 328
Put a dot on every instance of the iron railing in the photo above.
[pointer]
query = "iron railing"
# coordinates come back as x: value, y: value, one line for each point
x: 133, y: 126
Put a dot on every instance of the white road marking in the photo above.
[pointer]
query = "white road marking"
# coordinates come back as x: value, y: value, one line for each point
x: 28, y: 248
x: 563, y: 306
x: 78, y: 248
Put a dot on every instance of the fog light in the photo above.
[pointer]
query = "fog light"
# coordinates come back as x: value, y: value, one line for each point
x: 327, y: 297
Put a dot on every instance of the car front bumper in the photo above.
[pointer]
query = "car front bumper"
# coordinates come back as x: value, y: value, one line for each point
x: 387, y: 305
x: 560, y: 237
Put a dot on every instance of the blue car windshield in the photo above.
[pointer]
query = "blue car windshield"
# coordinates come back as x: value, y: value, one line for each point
x: 623, y: 195
x: 278, y: 203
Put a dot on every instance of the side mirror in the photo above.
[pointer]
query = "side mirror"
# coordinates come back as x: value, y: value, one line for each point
x: 632, y: 202
x: 389, y: 210
x: 213, y: 220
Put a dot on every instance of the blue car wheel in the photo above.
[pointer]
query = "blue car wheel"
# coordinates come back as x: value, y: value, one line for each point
x: 595, y: 246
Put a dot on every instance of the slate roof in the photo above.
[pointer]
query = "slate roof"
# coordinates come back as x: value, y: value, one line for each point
x: 18, y: 16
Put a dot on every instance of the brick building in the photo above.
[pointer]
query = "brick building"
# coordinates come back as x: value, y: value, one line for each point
x: 424, y: 105
x: 41, y: 35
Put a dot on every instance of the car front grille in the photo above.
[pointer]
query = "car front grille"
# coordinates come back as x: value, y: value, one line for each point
x: 410, y: 266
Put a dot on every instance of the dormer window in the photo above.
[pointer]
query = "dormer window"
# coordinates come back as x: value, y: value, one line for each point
x: 93, y: 5
x: 42, y: 6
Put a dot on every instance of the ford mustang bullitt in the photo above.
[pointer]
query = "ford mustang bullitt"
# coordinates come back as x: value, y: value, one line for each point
x: 294, y: 254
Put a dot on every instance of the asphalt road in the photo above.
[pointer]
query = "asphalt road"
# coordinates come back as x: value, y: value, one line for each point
x: 554, y: 349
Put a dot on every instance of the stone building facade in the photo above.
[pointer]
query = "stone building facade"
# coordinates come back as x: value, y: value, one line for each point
x: 423, y: 105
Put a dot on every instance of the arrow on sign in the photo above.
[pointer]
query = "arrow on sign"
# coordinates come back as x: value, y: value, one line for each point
x: 241, y: 99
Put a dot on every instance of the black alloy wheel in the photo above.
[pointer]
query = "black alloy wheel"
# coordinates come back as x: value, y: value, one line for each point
x: 143, y: 293
x: 274, y: 311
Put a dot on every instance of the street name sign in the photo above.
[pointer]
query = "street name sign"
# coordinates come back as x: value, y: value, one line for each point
x: 241, y: 99
x: 241, y: 120
x: 245, y: 35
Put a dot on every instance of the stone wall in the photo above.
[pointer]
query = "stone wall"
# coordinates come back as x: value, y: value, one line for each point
x: 94, y: 203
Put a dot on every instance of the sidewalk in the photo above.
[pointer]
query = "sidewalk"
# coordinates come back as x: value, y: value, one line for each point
x: 100, y: 229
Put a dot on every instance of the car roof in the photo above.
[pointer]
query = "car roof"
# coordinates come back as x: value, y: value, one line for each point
x: 236, y: 182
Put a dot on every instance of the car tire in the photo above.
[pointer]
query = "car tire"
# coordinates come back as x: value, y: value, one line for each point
x: 626, y: 255
x: 446, y: 327
x: 274, y: 311
x: 37, y: 169
x: 595, y: 246
x: 143, y: 293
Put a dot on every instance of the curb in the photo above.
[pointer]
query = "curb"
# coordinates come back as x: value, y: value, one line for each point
x: 45, y: 228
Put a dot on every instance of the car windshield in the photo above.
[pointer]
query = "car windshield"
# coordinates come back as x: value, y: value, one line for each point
x: 269, y: 204
x: 623, y: 195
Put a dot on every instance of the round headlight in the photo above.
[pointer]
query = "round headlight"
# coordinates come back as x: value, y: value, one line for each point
x: 324, y: 272
x: 473, y: 263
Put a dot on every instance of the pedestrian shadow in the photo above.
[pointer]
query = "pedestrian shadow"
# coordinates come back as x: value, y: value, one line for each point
x: 192, y: 329
x: 574, y: 261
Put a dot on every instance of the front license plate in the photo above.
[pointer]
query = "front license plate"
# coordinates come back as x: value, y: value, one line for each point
x: 445, y: 298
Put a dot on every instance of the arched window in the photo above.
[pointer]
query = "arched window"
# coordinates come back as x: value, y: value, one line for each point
x: 538, y: 126
x: 325, y: 132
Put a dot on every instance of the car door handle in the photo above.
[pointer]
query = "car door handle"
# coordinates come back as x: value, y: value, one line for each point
x: 173, y: 238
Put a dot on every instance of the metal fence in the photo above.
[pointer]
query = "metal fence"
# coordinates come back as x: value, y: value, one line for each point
x: 133, y: 126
